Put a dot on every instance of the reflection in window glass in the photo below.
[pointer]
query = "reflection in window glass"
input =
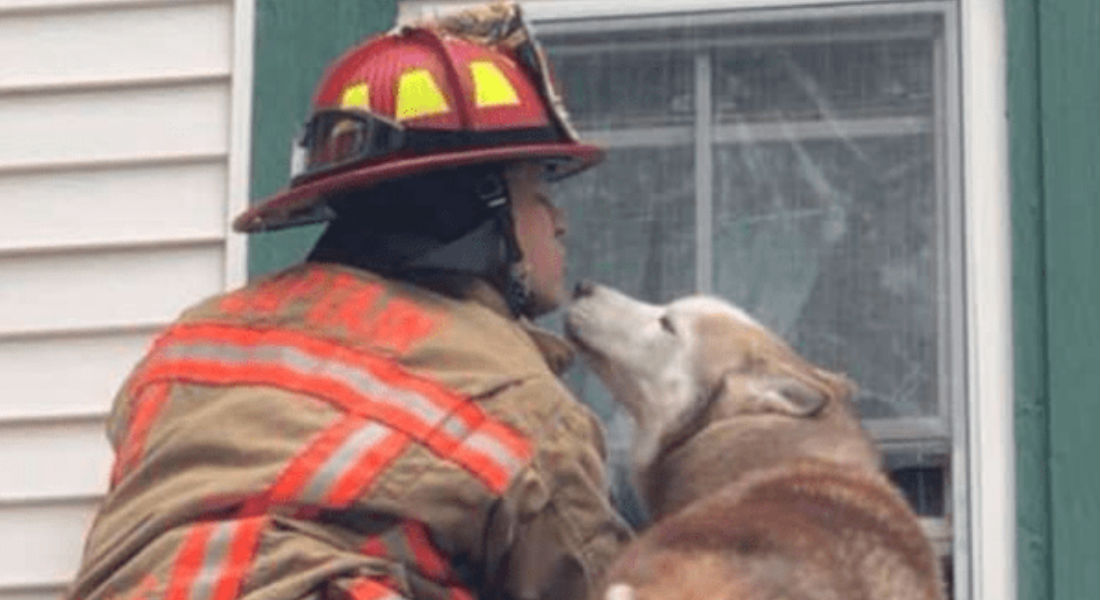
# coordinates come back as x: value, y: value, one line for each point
x: 832, y: 243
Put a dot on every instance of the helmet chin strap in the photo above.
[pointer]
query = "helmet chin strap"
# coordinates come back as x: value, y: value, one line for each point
x: 490, y: 250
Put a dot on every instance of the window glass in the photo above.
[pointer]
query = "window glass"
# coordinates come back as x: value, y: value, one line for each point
x: 824, y: 74
x: 610, y: 88
x: 634, y: 226
x: 832, y: 243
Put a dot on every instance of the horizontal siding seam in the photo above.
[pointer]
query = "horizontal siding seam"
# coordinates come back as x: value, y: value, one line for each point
x: 46, y: 500
x: 84, y: 331
x: 114, y: 83
x: 47, y: 7
x: 186, y: 241
x: 104, y: 164
x: 67, y: 418
x: 45, y: 587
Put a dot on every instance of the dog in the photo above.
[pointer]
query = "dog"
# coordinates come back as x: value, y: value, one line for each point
x: 752, y: 461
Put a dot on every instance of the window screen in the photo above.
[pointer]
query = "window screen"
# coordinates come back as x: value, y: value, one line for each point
x: 800, y: 164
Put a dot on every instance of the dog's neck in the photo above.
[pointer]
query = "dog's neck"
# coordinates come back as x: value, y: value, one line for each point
x: 658, y: 434
x: 654, y: 443
x: 685, y: 427
x: 714, y: 449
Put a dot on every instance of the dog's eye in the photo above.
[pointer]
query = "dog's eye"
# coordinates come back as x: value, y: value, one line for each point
x: 666, y: 324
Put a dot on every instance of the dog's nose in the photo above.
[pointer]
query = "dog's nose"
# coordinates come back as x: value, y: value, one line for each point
x: 584, y: 288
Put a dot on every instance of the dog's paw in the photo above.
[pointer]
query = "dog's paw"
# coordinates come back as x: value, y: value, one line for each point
x: 619, y: 591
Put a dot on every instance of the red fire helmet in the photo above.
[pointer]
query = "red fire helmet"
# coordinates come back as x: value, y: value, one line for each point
x: 419, y: 99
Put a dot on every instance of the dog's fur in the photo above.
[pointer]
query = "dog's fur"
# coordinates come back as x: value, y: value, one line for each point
x: 751, y: 459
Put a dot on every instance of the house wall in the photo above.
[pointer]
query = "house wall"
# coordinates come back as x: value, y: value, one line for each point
x: 1054, y: 101
x: 119, y: 165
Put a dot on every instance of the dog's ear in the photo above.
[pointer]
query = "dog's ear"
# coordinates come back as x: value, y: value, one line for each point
x: 772, y: 394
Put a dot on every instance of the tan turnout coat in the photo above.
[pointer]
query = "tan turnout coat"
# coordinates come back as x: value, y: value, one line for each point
x: 325, y: 433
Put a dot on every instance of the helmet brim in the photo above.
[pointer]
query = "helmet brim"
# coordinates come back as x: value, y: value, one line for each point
x: 286, y: 207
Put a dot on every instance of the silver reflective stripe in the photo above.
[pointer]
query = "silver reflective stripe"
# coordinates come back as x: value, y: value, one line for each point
x: 341, y: 460
x: 364, y: 383
x: 354, y: 377
x: 217, y: 548
x: 489, y: 446
x: 454, y: 427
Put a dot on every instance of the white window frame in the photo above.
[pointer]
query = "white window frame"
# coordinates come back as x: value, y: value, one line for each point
x: 984, y: 473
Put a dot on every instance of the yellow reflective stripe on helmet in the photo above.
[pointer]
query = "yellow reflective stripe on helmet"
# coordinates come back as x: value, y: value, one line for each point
x: 491, y: 87
x: 418, y: 95
x: 356, y: 96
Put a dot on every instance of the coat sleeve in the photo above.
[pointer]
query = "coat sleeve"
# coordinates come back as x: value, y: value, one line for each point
x: 555, y: 531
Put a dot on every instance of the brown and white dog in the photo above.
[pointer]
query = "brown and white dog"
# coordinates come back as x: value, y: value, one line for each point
x: 752, y: 461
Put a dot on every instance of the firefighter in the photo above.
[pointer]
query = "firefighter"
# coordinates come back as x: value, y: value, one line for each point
x: 383, y: 420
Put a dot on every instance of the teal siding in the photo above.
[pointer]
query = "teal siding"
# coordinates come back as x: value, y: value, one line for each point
x: 295, y: 40
x: 1029, y: 304
x: 1069, y: 33
x: 1054, y: 112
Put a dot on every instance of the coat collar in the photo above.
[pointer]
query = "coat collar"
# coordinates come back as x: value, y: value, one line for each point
x: 555, y: 350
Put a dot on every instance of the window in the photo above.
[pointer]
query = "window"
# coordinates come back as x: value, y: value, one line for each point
x: 838, y: 167
x: 803, y: 163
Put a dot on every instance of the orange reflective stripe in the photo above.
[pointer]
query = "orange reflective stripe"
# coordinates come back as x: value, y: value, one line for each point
x: 234, y: 303
x: 371, y: 462
x: 146, y: 407
x: 298, y: 471
x: 337, y: 466
x: 214, y: 559
x: 460, y: 593
x: 513, y: 443
x: 369, y: 589
x: 348, y: 470
x: 336, y: 393
x: 242, y: 551
x: 428, y: 560
x: 409, y: 543
x: 147, y: 586
x: 364, y: 385
x: 494, y: 476
x: 188, y: 562
x: 374, y: 546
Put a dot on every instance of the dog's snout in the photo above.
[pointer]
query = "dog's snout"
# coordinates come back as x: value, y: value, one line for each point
x: 584, y: 288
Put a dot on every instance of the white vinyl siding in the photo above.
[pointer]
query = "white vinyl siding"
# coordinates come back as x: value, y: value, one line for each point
x: 123, y: 145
